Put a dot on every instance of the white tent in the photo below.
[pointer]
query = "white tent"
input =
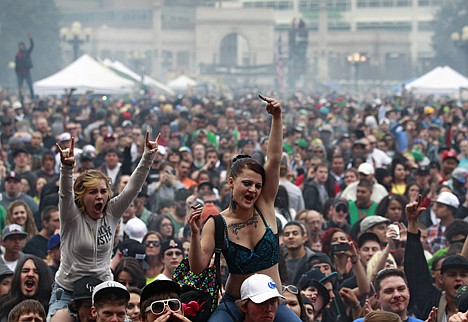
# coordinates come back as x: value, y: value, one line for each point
x: 147, y: 80
x: 440, y: 80
x: 182, y: 83
x: 84, y: 74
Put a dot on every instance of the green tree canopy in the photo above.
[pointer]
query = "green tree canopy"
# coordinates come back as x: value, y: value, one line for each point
x: 41, y: 19
x: 451, y: 17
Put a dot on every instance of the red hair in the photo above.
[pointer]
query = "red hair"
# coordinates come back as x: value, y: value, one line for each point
x: 327, y: 237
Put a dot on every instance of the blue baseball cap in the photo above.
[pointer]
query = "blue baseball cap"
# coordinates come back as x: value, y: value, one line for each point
x: 53, y: 242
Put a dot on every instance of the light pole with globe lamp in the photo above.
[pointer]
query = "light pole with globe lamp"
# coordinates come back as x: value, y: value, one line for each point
x: 460, y: 39
x: 356, y: 59
x: 75, y: 35
x: 11, y: 73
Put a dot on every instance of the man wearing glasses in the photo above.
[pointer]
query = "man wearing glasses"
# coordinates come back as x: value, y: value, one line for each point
x: 109, y: 302
x: 160, y: 302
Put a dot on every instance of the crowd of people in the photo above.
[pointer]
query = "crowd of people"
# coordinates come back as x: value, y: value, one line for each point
x: 332, y: 209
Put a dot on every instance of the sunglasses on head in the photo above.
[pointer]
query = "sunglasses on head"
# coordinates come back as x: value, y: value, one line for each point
x: 158, y: 307
x: 290, y: 288
x: 155, y: 243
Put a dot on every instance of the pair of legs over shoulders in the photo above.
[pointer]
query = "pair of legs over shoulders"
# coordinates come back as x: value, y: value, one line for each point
x: 227, y: 311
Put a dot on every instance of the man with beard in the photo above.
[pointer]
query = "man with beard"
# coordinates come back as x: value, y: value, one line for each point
x: 183, y: 175
x: 454, y: 272
x: 393, y: 294
x: 338, y: 213
x: 449, y: 161
x: 363, y: 206
x: 32, y: 280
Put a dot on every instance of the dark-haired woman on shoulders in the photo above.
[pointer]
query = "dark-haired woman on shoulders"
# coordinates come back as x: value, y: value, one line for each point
x: 250, y: 231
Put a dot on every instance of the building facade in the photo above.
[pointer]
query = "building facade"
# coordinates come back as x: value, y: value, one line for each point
x: 243, y: 40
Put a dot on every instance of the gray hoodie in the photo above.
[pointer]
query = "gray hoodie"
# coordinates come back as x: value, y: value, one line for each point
x: 86, y: 244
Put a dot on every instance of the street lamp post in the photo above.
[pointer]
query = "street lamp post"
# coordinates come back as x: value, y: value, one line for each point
x: 11, y: 67
x: 356, y: 59
x: 75, y: 35
x: 460, y: 39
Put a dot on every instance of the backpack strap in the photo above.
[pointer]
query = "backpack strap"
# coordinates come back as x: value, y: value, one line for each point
x: 219, y: 236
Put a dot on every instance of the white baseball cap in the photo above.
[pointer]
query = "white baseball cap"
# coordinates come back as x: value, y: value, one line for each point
x: 136, y: 229
x: 162, y: 150
x: 449, y: 199
x: 110, y: 287
x: 366, y: 168
x: 259, y: 288
x: 65, y: 136
x: 17, y: 105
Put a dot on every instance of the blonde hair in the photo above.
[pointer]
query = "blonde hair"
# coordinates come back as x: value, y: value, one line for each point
x: 30, y: 225
x: 372, y: 268
x: 86, y: 180
x: 382, y: 316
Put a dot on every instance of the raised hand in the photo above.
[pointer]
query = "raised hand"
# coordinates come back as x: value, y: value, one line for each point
x: 152, y: 145
x: 368, y: 306
x: 67, y: 155
x: 194, y: 219
x: 433, y: 315
x: 459, y: 317
x: 273, y: 107
x: 351, y: 252
x: 414, y: 209
x: 349, y: 297
x: 403, y: 231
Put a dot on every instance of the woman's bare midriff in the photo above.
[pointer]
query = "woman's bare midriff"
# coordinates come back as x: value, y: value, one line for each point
x: 234, y: 281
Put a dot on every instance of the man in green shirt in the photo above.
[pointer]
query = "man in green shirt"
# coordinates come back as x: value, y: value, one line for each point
x: 363, y: 206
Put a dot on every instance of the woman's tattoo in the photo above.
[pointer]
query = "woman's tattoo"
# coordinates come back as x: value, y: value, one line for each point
x: 234, y: 228
x: 233, y: 204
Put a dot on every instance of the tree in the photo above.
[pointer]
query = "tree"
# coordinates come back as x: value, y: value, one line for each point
x: 451, y: 17
x: 41, y: 19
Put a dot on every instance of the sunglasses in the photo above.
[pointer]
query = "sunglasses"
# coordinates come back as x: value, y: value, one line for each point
x: 341, y: 208
x: 290, y: 288
x: 157, y: 307
x: 170, y: 254
x: 155, y: 243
